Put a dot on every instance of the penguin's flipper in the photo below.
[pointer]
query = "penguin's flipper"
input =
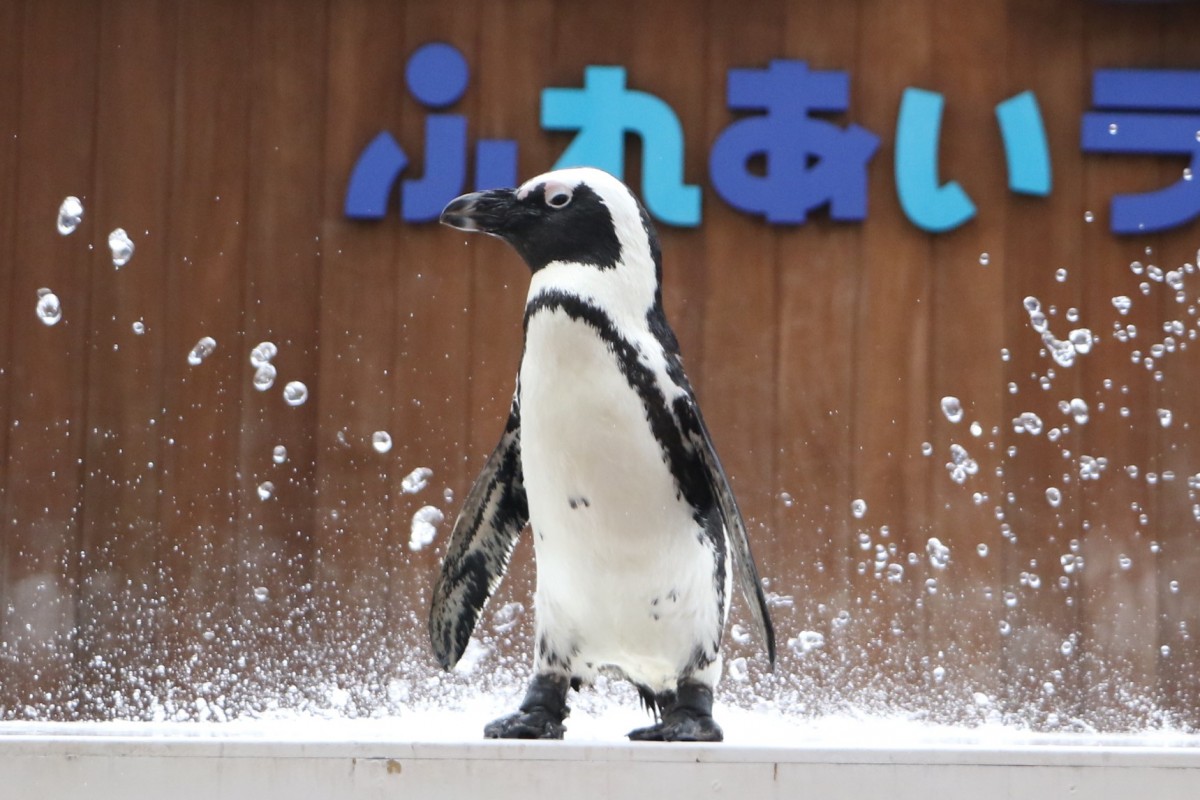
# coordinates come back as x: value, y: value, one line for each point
x: 495, y: 512
x: 745, y: 572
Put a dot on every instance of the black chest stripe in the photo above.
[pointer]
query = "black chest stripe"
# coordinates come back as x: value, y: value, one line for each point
x: 685, y: 464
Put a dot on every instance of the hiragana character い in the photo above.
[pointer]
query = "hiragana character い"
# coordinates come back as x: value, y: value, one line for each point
x: 1137, y: 131
x: 938, y: 207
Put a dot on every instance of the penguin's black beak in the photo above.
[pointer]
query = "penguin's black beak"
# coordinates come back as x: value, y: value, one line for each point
x: 486, y: 212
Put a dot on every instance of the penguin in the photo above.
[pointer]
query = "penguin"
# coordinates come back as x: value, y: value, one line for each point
x: 637, y: 534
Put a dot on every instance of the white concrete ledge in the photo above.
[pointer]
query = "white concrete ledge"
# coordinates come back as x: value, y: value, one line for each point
x: 125, y: 767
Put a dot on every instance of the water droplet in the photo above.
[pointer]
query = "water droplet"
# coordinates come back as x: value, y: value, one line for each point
x: 895, y: 573
x: 139, y: 327
x: 961, y: 466
x: 1187, y: 173
x: 952, y: 408
x: 261, y: 594
x: 279, y: 454
x: 858, y: 508
x: 1054, y: 496
x: 984, y: 259
x: 121, y: 246
x: 1067, y: 647
x: 926, y: 448
x: 266, y: 490
x: 1010, y: 599
x: 1088, y: 216
x: 49, y: 309
x: 416, y: 480
x: 1078, y: 409
x: 1124, y: 562
x: 264, y: 377
x: 70, y: 214
x: 1174, y: 587
x: 976, y: 429
x: 295, y: 393
x: 939, y: 554
x: 1112, y: 129
x: 982, y: 549
x: 1081, y: 339
x: 202, y: 350
x: 1122, y: 304
x: 262, y: 354
x: 1164, y: 417
x: 1060, y: 275
x: 1029, y: 423
x: 381, y: 441
x: 424, y: 527
x: 1005, y: 628
x: 787, y: 499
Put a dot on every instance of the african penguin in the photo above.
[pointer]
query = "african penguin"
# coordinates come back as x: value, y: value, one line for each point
x: 637, y: 536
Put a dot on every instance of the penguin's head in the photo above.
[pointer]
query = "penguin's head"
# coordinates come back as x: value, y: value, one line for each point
x: 569, y: 216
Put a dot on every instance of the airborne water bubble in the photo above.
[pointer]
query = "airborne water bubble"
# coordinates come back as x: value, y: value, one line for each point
x: 202, y: 350
x: 858, y: 507
x: 381, y: 441
x: 1054, y: 496
x: 263, y: 353
x: 70, y: 214
x: 279, y: 454
x: 121, y: 246
x: 295, y: 393
x: 264, y: 377
x: 952, y: 408
x: 49, y: 309
x: 266, y: 490
x: 939, y: 554
x: 416, y: 480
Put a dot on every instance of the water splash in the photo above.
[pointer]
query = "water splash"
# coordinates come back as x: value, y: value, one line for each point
x: 70, y: 214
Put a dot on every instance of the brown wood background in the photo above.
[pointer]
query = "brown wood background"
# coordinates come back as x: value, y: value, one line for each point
x: 220, y: 134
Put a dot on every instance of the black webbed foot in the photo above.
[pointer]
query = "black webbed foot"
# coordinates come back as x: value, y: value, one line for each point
x: 542, y: 712
x: 686, y: 717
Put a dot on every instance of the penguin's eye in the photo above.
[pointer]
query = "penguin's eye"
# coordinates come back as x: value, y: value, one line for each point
x: 558, y: 196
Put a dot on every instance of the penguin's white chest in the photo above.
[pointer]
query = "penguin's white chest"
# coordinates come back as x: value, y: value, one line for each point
x: 625, y: 573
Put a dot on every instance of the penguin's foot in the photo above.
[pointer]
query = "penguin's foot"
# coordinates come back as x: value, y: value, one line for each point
x: 536, y: 724
x: 542, y: 712
x: 686, y: 717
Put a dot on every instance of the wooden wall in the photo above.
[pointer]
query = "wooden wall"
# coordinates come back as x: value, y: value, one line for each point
x: 141, y: 575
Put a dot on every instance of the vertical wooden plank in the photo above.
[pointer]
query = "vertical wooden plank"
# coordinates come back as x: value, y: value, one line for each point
x: 204, y: 299
x: 819, y: 279
x: 48, y: 376
x: 119, y: 608
x: 968, y: 329
x: 739, y: 346
x: 1043, y: 235
x: 11, y: 27
x: 356, y: 532
x: 892, y: 405
x: 1175, y: 583
x: 507, y: 87
x: 433, y: 284
x: 1118, y: 652
x: 280, y: 297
